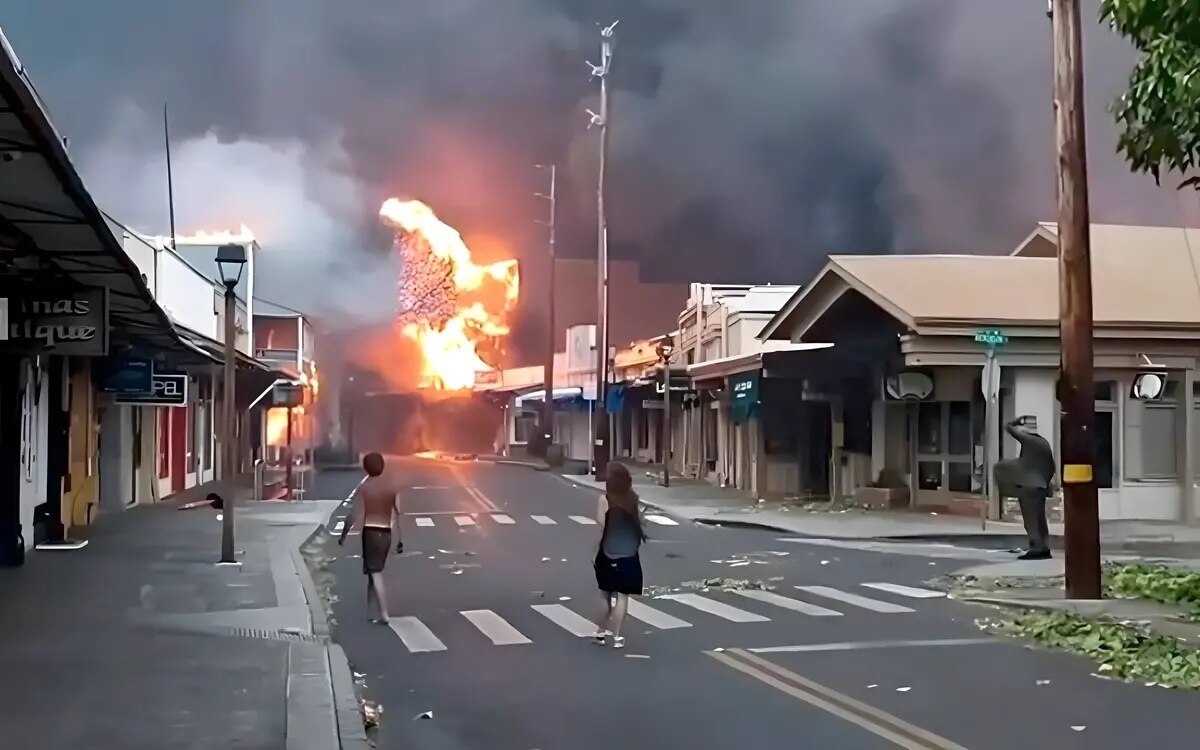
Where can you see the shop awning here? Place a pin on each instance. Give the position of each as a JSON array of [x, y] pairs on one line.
[[558, 394], [739, 363], [50, 228]]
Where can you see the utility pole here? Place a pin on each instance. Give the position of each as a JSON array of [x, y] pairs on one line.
[[665, 350], [1076, 383], [228, 410], [551, 335], [600, 443]]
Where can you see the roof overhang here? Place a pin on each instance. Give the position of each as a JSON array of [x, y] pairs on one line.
[[807, 305], [50, 228], [726, 366]]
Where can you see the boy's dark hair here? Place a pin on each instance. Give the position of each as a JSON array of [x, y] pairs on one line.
[[373, 464]]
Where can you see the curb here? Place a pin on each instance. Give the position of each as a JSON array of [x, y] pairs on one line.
[[316, 611], [351, 733]]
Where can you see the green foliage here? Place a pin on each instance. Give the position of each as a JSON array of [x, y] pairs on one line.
[[1157, 582], [1123, 652], [1160, 112]]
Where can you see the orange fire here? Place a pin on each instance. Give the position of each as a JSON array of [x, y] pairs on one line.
[[448, 317], [219, 237], [277, 419]]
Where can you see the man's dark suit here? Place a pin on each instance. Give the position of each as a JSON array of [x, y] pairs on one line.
[[1028, 478]]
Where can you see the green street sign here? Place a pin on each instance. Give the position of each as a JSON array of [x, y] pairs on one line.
[[991, 338]]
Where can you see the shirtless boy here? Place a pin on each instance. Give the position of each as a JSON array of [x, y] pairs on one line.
[[375, 506]]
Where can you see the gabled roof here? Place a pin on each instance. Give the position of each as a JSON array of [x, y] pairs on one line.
[[1142, 277]]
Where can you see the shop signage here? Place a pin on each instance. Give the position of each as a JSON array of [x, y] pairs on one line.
[[71, 322], [287, 395], [743, 395], [166, 389], [652, 404], [991, 338], [128, 375]]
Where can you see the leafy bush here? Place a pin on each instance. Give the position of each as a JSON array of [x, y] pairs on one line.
[[1157, 582]]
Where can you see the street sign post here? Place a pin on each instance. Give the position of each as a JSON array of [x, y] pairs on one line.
[[990, 383]]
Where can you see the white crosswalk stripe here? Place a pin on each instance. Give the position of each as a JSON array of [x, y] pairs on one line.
[[661, 520], [910, 591], [495, 627], [464, 520], [424, 521], [786, 602], [502, 518], [573, 623], [858, 601], [544, 520], [714, 607], [416, 637], [583, 520], [654, 618]]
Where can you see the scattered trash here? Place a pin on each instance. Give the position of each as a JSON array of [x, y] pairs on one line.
[[903, 689], [564, 598], [824, 562], [718, 650], [739, 564], [457, 572], [545, 559], [1079, 727], [359, 675], [563, 560], [426, 715], [872, 687], [933, 513], [433, 557], [371, 713], [636, 656], [1043, 682]]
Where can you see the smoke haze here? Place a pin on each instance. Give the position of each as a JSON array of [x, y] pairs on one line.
[[747, 139]]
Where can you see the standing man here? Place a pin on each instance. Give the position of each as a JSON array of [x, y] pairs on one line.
[[1029, 478], [375, 506]]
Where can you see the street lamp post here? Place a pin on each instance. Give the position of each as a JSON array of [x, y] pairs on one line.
[[551, 336], [231, 260], [600, 447], [664, 353]]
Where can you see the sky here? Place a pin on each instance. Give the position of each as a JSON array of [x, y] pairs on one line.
[[747, 140]]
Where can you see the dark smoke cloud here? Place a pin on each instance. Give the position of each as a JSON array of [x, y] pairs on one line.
[[748, 139]]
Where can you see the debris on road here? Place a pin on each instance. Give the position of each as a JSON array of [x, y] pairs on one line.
[[425, 715], [372, 712], [1079, 727], [903, 689], [636, 656]]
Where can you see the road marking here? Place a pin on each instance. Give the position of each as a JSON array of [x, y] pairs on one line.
[[495, 627], [544, 520], [885, 725], [573, 623], [859, 601], [661, 520], [424, 521], [502, 518], [654, 618], [416, 637], [857, 645], [910, 591], [787, 603], [338, 526], [464, 520], [583, 520], [713, 607]]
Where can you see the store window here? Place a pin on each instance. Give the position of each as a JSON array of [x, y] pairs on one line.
[[1104, 471], [1158, 435], [945, 431], [524, 426]]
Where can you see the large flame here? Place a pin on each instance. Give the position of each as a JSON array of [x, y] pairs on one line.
[[449, 305], [277, 420], [219, 237]]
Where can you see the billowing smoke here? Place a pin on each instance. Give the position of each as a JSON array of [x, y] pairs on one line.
[[748, 139]]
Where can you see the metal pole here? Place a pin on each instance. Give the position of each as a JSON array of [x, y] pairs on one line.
[[601, 446], [1076, 383], [287, 472], [551, 334], [667, 420], [229, 463]]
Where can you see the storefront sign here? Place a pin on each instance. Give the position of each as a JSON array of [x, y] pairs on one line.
[[743, 395], [62, 322], [165, 390], [128, 375], [287, 395]]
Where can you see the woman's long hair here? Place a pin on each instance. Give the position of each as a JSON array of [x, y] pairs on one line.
[[618, 489]]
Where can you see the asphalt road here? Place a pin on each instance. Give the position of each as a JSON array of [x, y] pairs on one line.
[[850, 649]]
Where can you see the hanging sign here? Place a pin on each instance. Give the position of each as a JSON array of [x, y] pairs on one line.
[[67, 322], [165, 390]]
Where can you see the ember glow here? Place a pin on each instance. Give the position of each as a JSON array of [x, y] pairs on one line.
[[455, 310], [277, 419]]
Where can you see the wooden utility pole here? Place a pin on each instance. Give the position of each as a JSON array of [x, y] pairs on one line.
[[552, 332], [1076, 384]]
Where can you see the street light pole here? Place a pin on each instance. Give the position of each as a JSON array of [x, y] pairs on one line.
[[551, 335], [230, 261], [1076, 383], [601, 71], [664, 352]]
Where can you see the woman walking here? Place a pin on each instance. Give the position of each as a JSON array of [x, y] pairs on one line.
[[618, 567]]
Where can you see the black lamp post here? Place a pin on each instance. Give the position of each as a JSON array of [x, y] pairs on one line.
[[664, 349], [231, 260]]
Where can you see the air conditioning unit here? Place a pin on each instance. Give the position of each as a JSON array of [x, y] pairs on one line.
[[909, 385]]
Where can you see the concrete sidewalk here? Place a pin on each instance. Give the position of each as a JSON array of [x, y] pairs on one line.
[[704, 503], [139, 640]]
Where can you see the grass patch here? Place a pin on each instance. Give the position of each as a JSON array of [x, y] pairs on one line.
[[1125, 652]]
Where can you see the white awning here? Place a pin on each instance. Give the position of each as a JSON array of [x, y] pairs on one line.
[[559, 394]]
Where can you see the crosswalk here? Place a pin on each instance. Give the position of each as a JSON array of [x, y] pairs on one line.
[[671, 612], [460, 519]]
